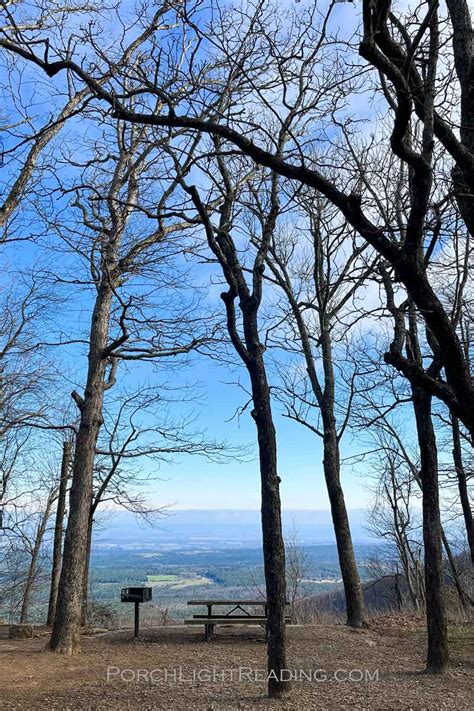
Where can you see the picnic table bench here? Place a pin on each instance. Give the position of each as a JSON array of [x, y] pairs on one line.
[[239, 614]]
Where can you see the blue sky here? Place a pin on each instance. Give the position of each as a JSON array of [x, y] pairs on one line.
[[194, 482], [199, 484]]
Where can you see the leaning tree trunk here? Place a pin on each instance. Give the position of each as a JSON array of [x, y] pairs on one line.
[[273, 543], [409, 565], [354, 596], [30, 579], [325, 396], [58, 531], [438, 656], [25, 603], [67, 623], [454, 572], [462, 485], [32, 569]]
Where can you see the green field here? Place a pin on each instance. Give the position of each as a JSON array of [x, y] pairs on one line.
[[178, 581]]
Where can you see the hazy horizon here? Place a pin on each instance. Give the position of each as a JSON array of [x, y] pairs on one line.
[[223, 526]]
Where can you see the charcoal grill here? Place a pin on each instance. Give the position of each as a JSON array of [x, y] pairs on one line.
[[137, 596]]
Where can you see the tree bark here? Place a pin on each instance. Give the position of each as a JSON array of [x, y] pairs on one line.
[[273, 544], [462, 485], [25, 603], [406, 557], [30, 579], [438, 655], [66, 628], [463, 50], [355, 606], [85, 584], [58, 531]]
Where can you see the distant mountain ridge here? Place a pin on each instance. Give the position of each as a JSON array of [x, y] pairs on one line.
[[223, 526]]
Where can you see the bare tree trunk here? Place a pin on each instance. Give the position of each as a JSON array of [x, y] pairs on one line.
[[25, 603], [438, 655], [463, 50], [273, 544], [406, 556], [402, 541], [398, 594], [454, 572], [85, 585], [32, 569], [58, 531], [66, 629], [462, 485], [413, 588], [355, 606], [325, 396], [251, 350], [420, 582]]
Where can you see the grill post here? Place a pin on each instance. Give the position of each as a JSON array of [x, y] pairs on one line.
[[137, 596]]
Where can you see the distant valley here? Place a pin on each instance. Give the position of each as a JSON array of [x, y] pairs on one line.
[[196, 554]]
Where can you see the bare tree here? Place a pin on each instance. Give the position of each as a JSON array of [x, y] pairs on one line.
[[392, 518], [25, 370], [425, 473], [297, 565], [27, 515], [117, 245], [246, 339], [414, 78], [320, 285], [407, 64], [34, 549], [405, 53], [23, 139]]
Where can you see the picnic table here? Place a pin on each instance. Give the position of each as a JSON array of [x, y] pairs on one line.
[[239, 613]]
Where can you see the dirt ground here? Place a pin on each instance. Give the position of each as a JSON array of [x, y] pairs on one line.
[[173, 668]]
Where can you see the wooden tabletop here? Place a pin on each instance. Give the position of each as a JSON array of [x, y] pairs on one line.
[[227, 602]]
